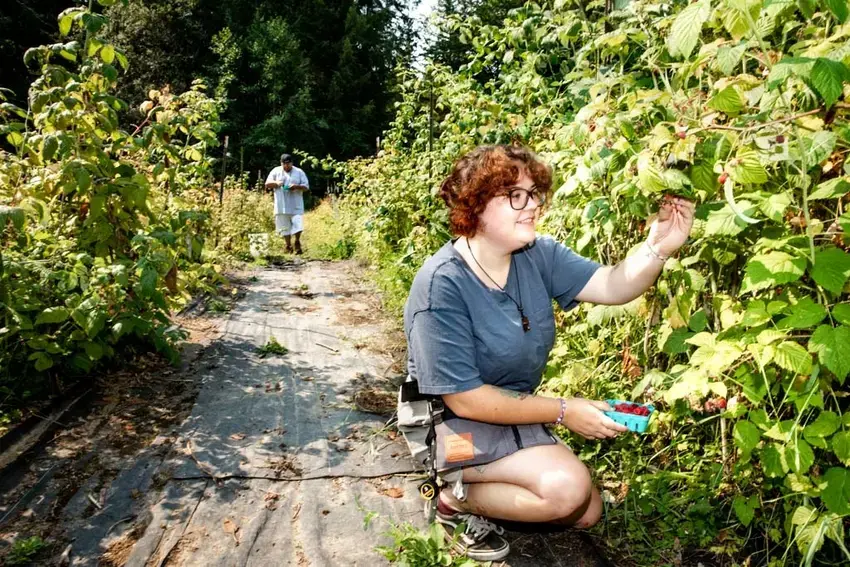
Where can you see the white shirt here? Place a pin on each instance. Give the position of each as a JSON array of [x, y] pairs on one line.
[[288, 202]]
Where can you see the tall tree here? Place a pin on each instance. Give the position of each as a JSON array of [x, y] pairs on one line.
[[316, 75], [447, 47], [25, 24]]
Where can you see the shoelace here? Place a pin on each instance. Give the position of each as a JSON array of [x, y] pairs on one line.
[[478, 527]]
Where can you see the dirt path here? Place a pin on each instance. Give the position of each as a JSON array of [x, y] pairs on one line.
[[274, 463]]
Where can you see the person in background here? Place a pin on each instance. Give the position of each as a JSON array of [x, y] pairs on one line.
[[289, 184]]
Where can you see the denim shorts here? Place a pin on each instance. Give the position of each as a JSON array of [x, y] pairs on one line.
[[463, 442]]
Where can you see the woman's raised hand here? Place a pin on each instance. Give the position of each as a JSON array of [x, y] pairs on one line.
[[672, 226], [585, 417]]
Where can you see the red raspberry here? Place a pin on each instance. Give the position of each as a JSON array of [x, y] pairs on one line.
[[780, 139], [723, 177], [681, 135]]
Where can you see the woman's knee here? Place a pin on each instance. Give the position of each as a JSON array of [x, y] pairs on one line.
[[567, 490], [593, 513]]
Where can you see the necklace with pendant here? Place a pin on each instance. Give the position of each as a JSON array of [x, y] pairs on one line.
[[526, 325]]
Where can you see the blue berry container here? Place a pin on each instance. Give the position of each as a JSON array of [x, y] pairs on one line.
[[636, 423]]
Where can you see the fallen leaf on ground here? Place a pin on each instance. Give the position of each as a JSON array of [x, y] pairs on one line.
[[392, 492], [238, 436], [230, 527]]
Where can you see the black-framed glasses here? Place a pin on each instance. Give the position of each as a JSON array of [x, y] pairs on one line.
[[518, 197]]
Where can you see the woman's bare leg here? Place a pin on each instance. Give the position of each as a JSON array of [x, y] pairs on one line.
[[540, 484]]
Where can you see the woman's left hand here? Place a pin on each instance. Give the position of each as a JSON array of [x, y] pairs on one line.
[[672, 226]]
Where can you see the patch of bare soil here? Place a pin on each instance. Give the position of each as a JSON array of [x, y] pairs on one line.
[[131, 409], [285, 467], [118, 551], [375, 400], [355, 316], [185, 546], [302, 291]]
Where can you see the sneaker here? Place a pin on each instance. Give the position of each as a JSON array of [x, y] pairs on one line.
[[480, 540]]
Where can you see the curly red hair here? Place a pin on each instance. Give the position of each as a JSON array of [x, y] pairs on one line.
[[482, 174]]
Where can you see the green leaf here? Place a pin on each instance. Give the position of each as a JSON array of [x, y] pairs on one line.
[[52, 315], [746, 435], [789, 67], [148, 280], [841, 446], [83, 179], [94, 350], [92, 46], [799, 456], [819, 146], [729, 101], [838, 8], [725, 222], [95, 323], [773, 461], [835, 491], [728, 58], [14, 138], [803, 515], [792, 357], [735, 19], [675, 341], [828, 78], [831, 269], [698, 321], [107, 54], [841, 313], [807, 8], [686, 28], [825, 425], [832, 189], [703, 177], [715, 356], [835, 531], [755, 315], [743, 510], [51, 144], [65, 23], [749, 168], [832, 345], [122, 60], [649, 178], [809, 539], [774, 207], [11, 215], [806, 313], [772, 269], [43, 361]]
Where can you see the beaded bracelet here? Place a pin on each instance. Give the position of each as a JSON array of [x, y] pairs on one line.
[[563, 411], [656, 254]]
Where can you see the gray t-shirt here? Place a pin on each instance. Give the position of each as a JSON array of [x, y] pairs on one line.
[[462, 334]]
